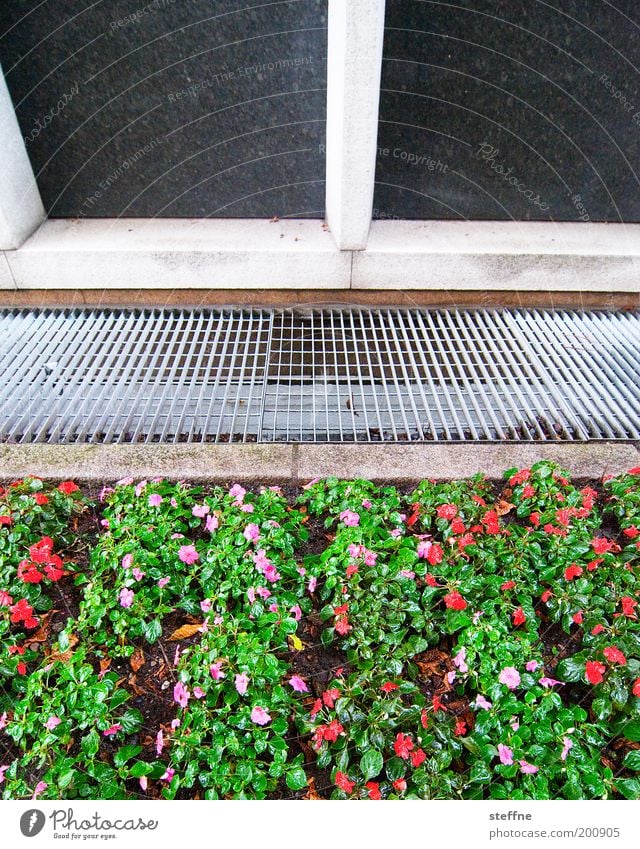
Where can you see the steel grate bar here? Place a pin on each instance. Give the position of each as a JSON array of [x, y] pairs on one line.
[[318, 375]]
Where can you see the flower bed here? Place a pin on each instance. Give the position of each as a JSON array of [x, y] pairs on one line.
[[462, 640]]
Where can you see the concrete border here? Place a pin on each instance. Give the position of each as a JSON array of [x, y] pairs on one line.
[[21, 209], [298, 463]]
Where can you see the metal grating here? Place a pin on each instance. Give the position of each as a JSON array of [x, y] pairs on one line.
[[318, 375]]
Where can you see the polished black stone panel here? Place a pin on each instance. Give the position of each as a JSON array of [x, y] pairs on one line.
[[171, 108], [510, 110]]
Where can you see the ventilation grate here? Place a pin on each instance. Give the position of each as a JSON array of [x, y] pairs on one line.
[[318, 375]]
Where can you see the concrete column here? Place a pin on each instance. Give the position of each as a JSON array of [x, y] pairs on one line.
[[21, 210], [356, 29]]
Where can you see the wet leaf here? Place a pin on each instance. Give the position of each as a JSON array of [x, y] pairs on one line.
[[184, 632], [137, 660]]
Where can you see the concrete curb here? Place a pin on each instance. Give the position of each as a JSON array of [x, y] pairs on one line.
[[297, 463]]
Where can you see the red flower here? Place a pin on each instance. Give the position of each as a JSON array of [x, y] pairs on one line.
[[508, 585], [577, 617], [614, 655], [546, 595], [534, 518], [636, 688], [351, 570], [342, 781], [597, 629], [53, 571], [465, 540], [400, 785], [430, 580], [573, 571], [329, 697], [520, 477], [41, 499], [41, 551], [455, 601], [403, 745], [553, 531], [528, 491], [424, 718], [389, 687], [22, 668], [634, 471], [333, 730], [457, 526], [342, 625], [418, 757], [374, 790], [593, 564], [631, 532], [479, 500], [67, 487], [437, 704], [315, 710], [5, 520], [16, 650], [22, 611], [491, 522], [461, 728], [28, 573], [594, 671], [447, 511], [340, 610], [5, 599], [628, 606], [519, 617], [601, 545]]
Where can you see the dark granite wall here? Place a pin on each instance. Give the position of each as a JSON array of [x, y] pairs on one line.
[[521, 109], [185, 108]]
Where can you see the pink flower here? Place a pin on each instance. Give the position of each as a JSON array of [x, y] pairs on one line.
[[263, 592], [568, 744], [247, 508], [515, 724], [366, 504], [395, 533], [215, 670], [532, 665], [206, 605], [173, 502], [112, 729], [238, 492], [273, 608], [242, 682], [298, 684], [211, 524], [3, 721], [52, 723], [200, 510], [251, 595], [143, 783], [188, 554], [527, 769], [140, 487], [155, 500], [181, 695], [41, 786], [510, 676], [311, 483], [549, 682], [350, 519], [481, 702], [159, 742], [126, 597], [138, 574], [199, 693], [168, 775], [175, 723], [451, 676], [505, 754], [104, 523], [260, 716], [251, 533], [459, 661], [407, 573], [296, 612], [3, 769], [127, 561], [313, 583], [163, 582], [218, 620], [124, 482]]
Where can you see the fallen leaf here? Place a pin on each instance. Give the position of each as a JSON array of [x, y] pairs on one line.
[[105, 663], [184, 632], [62, 656], [312, 793], [504, 507], [137, 660], [295, 642]]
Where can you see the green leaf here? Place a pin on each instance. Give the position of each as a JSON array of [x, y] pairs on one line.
[[296, 778], [570, 669], [628, 787], [125, 754], [632, 760], [371, 764], [480, 773], [152, 630]]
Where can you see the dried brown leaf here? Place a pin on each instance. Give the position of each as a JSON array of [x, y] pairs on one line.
[[184, 632], [137, 660]]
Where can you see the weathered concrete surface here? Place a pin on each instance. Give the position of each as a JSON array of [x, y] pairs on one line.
[[264, 463], [416, 462]]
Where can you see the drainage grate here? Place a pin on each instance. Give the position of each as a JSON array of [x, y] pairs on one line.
[[317, 375]]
